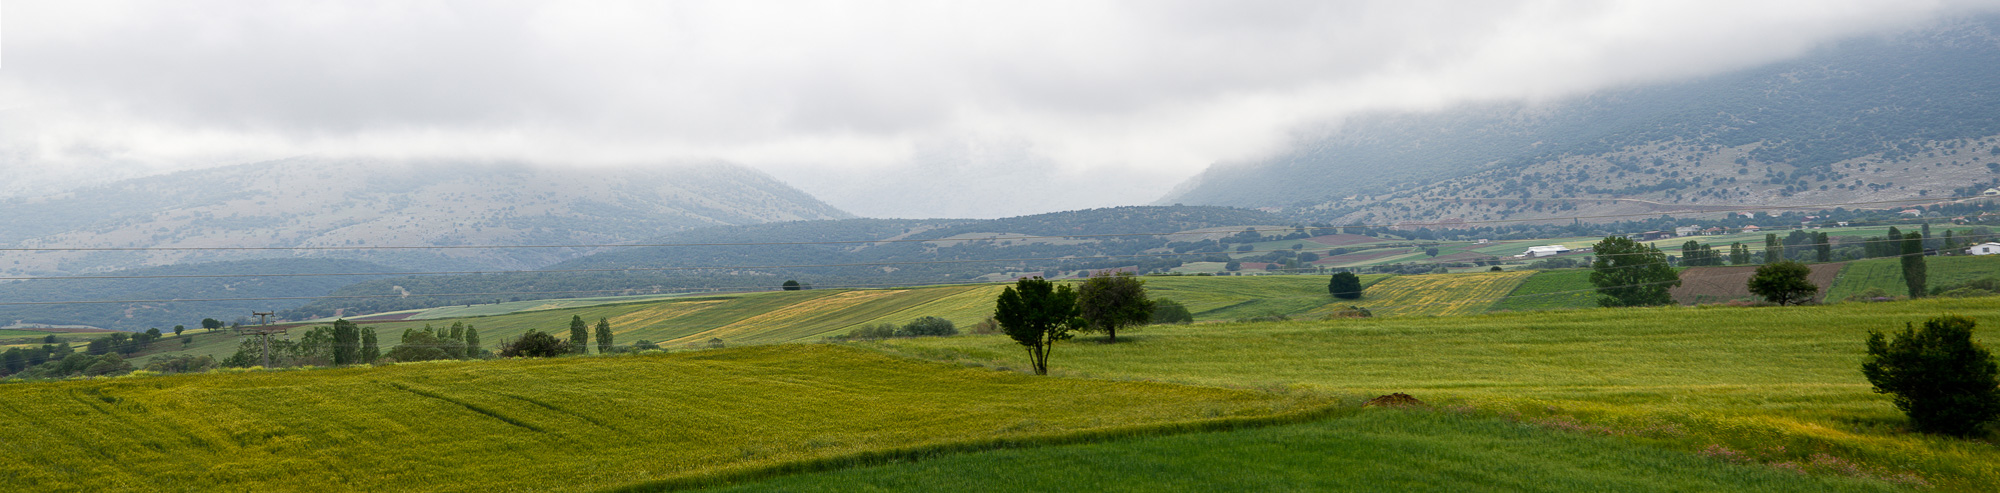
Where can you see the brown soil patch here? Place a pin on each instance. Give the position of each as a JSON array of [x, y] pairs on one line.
[[1398, 399], [1342, 240], [1723, 284]]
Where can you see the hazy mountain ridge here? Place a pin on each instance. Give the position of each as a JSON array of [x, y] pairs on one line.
[[947, 250], [339, 203], [1920, 100]]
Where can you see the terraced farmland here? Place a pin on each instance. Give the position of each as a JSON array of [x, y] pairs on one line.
[[1440, 294], [565, 424]]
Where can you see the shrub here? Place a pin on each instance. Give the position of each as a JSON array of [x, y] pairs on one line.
[[185, 363], [1352, 311], [1344, 285], [645, 345], [928, 327], [1171, 312], [1870, 294], [1940, 378], [876, 331], [534, 344], [986, 327]]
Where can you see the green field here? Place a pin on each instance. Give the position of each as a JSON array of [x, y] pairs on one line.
[[1746, 378], [1552, 290], [1372, 450], [1439, 294], [561, 424], [1887, 274]]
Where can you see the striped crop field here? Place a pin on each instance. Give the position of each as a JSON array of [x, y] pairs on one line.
[[1886, 274], [1233, 297], [565, 424], [1440, 294]]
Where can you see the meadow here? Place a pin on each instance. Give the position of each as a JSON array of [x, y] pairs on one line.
[[1780, 384], [1360, 450], [566, 424], [1552, 290], [1886, 274]]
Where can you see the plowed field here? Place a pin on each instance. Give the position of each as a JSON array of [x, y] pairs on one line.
[[1720, 284]]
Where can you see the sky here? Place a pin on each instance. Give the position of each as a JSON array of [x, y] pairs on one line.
[[882, 108]]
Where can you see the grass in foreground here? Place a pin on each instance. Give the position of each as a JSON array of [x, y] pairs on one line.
[[561, 424], [1745, 378], [1366, 450]]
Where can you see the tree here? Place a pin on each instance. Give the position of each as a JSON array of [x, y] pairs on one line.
[[346, 343], [1939, 377], [371, 349], [1108, 301], [211, 324], [792, 285], [179, 328], [1784, 283], [1915, 273], [1167, 311], [534, 344], [1629, 273], [579, 335], [1773, 249], [1433, 252], [1738, 254], [1036, 314], [1822, 248], [472, 349], [1344, 285], [604, 345]]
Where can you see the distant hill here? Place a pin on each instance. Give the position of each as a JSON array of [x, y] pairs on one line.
[[336, 203], [943, 250], [163, 315], [1914, 115]]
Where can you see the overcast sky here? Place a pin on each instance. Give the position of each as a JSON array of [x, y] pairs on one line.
[[912, 109]]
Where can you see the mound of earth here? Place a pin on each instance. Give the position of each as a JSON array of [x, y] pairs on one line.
[[1398, 399]]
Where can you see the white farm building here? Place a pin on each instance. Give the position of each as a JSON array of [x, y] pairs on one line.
[[1544, 251], [1988, 248]]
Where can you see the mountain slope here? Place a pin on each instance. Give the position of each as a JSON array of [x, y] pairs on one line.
[[170, 283], [315, 202], [1898, 117]]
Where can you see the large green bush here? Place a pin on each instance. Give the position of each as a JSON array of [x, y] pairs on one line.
[[1940, 378]]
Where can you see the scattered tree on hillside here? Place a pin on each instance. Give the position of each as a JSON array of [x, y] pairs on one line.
[[1629, 273], [1108, 301], [1915, 272], [1166, 311], [1940, 378], [1344, 285], [604, 344], [211, 324], [534, 344], [579, 335], [792, 285], [1432, 252], [1036, 314], [179, 328], [1784, 283]]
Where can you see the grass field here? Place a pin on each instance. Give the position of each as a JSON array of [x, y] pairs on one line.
[[1552, 290], [1745, 378], [1887, 274], [1371, 450], [1439, 294], [564, 424]]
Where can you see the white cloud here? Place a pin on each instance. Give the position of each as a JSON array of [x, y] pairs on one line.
[[1101, 103]]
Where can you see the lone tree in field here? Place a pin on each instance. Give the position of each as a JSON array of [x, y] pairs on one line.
[[1629, 273], [1037, 313], [579, 335], [1940, 378], [1344, 285], [604, 345], [1784, 283], [1915, 272], [1108, 301], [792, 285]]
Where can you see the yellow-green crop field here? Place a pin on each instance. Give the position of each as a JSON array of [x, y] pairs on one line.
[[566, 424], [1440, 294], [1778, 384]]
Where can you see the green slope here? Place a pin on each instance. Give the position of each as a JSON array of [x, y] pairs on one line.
[[1887, 274], [1552, 290]]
